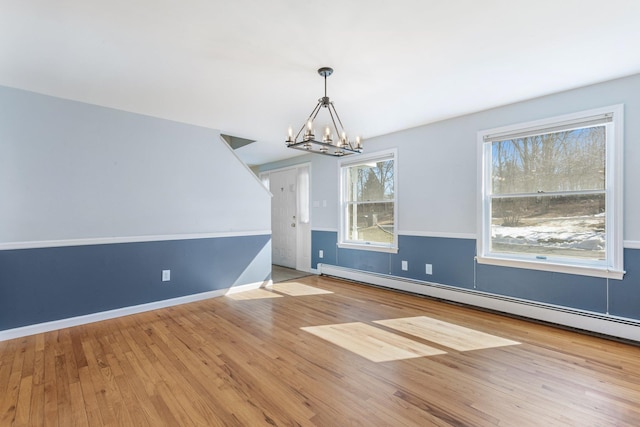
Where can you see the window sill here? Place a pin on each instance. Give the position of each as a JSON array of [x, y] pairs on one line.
[[368, 247], [553, 267]]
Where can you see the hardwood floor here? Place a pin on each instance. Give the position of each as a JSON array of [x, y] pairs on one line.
[[281, 274], [228, 362]]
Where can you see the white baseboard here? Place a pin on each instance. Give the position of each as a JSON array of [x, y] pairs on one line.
[[585, 320], [243, 288], [119, 312]]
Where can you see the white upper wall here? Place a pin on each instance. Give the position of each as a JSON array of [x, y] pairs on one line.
[[70, 170], [437, 162]]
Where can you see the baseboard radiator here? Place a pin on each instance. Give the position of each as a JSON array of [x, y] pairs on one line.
[[619, 327]]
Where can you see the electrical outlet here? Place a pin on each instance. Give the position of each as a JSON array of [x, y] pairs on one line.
[[428, 268], [405, 266], [166, 275], [321, 253]]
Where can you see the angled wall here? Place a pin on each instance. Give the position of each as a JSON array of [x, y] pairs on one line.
[[97, 202]]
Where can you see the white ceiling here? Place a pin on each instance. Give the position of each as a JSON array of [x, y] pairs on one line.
[[248, 67]]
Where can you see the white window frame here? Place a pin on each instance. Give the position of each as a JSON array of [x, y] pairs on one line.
[[613, 268], [342, 232]]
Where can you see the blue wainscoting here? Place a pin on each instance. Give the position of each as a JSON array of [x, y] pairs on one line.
[[451, 260], [445, 255], [624, 295], [376, 262], [453, 264], [47, 284], [326, 241], [581, 292]]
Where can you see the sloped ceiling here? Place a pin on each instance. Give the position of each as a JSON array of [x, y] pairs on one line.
[[248, 67]]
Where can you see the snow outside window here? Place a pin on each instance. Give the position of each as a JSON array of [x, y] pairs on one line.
[[550, 195]]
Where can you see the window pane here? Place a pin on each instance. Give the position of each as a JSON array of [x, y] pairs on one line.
[[565, 226], [370, 182], [370, 222], [560, 161]]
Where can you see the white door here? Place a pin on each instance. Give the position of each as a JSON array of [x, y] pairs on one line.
[[283, 217]]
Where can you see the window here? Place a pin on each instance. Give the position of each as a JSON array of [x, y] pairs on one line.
[[550, 195], [368, 203]]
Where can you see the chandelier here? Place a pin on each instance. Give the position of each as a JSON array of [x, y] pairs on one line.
[[334, 141]]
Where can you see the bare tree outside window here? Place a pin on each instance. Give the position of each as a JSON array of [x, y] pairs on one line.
[[370, 202], [548, 194]]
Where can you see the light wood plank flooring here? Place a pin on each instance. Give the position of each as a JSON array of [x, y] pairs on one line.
[[249, 362], [281, 274]]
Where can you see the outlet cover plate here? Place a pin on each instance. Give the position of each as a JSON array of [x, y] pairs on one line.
[[166, 275]]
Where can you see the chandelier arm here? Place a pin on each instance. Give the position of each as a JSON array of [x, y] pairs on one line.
[[337, 116], [312, 116], [347, 142], [334, 121], [317, 110]]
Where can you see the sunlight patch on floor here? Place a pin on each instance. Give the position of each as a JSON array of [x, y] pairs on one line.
[[446, 334], [254, 294], [372, 343], [296, 289]]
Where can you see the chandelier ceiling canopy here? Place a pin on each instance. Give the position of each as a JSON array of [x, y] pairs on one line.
[[334, 140]]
